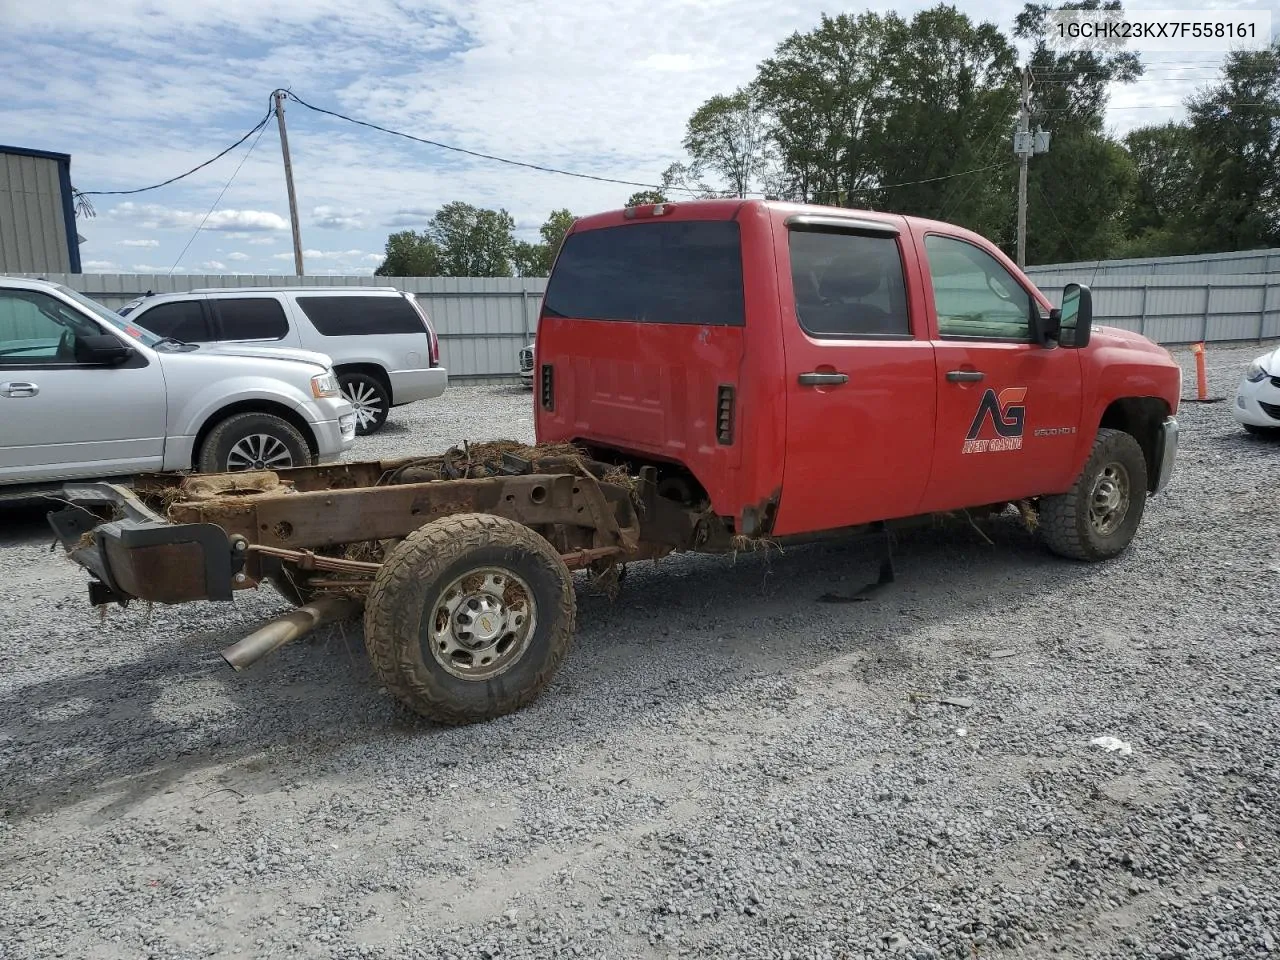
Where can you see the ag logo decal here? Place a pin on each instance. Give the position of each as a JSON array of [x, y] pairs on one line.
[[1006, 414]]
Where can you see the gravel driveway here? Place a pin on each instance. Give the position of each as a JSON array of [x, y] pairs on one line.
[[723, 768]]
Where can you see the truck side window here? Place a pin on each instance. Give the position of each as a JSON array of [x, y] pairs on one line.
[[974, 295], [848, 285]]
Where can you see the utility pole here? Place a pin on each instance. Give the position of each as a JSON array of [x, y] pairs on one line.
[[288, 180], [1022, 146]]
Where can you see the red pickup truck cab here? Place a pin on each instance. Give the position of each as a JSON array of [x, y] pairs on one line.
[[803, 369]]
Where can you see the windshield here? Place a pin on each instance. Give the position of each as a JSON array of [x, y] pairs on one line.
[[110, 316]]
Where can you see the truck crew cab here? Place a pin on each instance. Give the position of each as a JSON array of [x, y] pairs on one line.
[[807, 369], [706, 375]]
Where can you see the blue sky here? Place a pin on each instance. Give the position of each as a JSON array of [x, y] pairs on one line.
[[140, 90]]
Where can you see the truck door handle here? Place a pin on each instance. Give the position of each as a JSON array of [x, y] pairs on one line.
[[964, 376], [818, 379], [18, 389]]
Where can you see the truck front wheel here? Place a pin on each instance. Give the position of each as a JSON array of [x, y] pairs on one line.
[[469, 618], [1097, 518]]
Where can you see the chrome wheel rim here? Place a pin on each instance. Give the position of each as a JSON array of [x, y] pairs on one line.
[[364, 399], [1109, 501], [259, 451], [482, 624]]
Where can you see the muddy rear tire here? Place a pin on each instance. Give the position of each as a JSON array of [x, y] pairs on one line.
[[469, 618], [1097, 518]]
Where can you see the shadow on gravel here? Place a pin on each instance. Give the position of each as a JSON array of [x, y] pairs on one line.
[[25, 521]]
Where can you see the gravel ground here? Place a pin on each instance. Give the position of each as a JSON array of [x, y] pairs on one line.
[[723, 767]]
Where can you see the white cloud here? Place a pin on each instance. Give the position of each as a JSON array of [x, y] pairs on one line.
[[153, 216], [409, 217], [188, 79], [148, 268], [214, 266], [336, 218], [100, 266], [375, 257], [139, 243], [237, 256], [331, 254]]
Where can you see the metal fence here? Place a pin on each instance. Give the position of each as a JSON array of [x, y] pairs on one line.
[[482, 322], [1203, 264], [1181, 309]]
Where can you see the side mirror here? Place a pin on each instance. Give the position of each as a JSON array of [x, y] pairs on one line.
[[102, 349], [1075, 317]]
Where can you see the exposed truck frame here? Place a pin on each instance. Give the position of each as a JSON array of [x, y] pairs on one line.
[[383, 537], [336, 539]]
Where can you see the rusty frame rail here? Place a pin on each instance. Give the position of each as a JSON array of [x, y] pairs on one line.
[[208, 545]]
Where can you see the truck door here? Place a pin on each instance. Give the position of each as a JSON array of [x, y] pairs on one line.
[[860, 388], [1008, 408]]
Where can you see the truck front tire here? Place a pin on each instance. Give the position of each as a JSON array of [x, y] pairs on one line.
[[1097, 518], [253, 441], [469, 618]]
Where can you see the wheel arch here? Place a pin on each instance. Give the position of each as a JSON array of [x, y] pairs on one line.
[[375, 370], [1141, 418], [290, 416]]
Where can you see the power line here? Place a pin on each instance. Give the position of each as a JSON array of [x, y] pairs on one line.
[[909, 183], [952, 196], [156, 186], [483, 156], [248, 153]]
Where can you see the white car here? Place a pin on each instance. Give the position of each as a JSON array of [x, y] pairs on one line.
[[383, 345], [1257, 405], [526, 365], [86, 394]]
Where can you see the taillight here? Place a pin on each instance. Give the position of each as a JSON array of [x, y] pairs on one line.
[[724, 414], [548, 388], [433, 343]]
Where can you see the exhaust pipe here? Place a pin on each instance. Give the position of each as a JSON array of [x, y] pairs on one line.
[[290, 626]]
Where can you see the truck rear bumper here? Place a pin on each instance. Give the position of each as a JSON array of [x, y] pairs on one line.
[[1166, 453], [137, 554]]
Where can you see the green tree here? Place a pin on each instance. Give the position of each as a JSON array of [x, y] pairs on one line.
[[529, 259], [1068, 222], [1079, 191], [826, 92], [1164, 166], [553, 232], [642, 197], [950, 109], [410, 254], [1235, 136], [473, 242], [536, 259], [729, 135]]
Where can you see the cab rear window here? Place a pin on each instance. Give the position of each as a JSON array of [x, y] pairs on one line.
[[687, 272]]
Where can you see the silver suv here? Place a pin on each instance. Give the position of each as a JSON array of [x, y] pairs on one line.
[[85, 393], [383, 345]]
